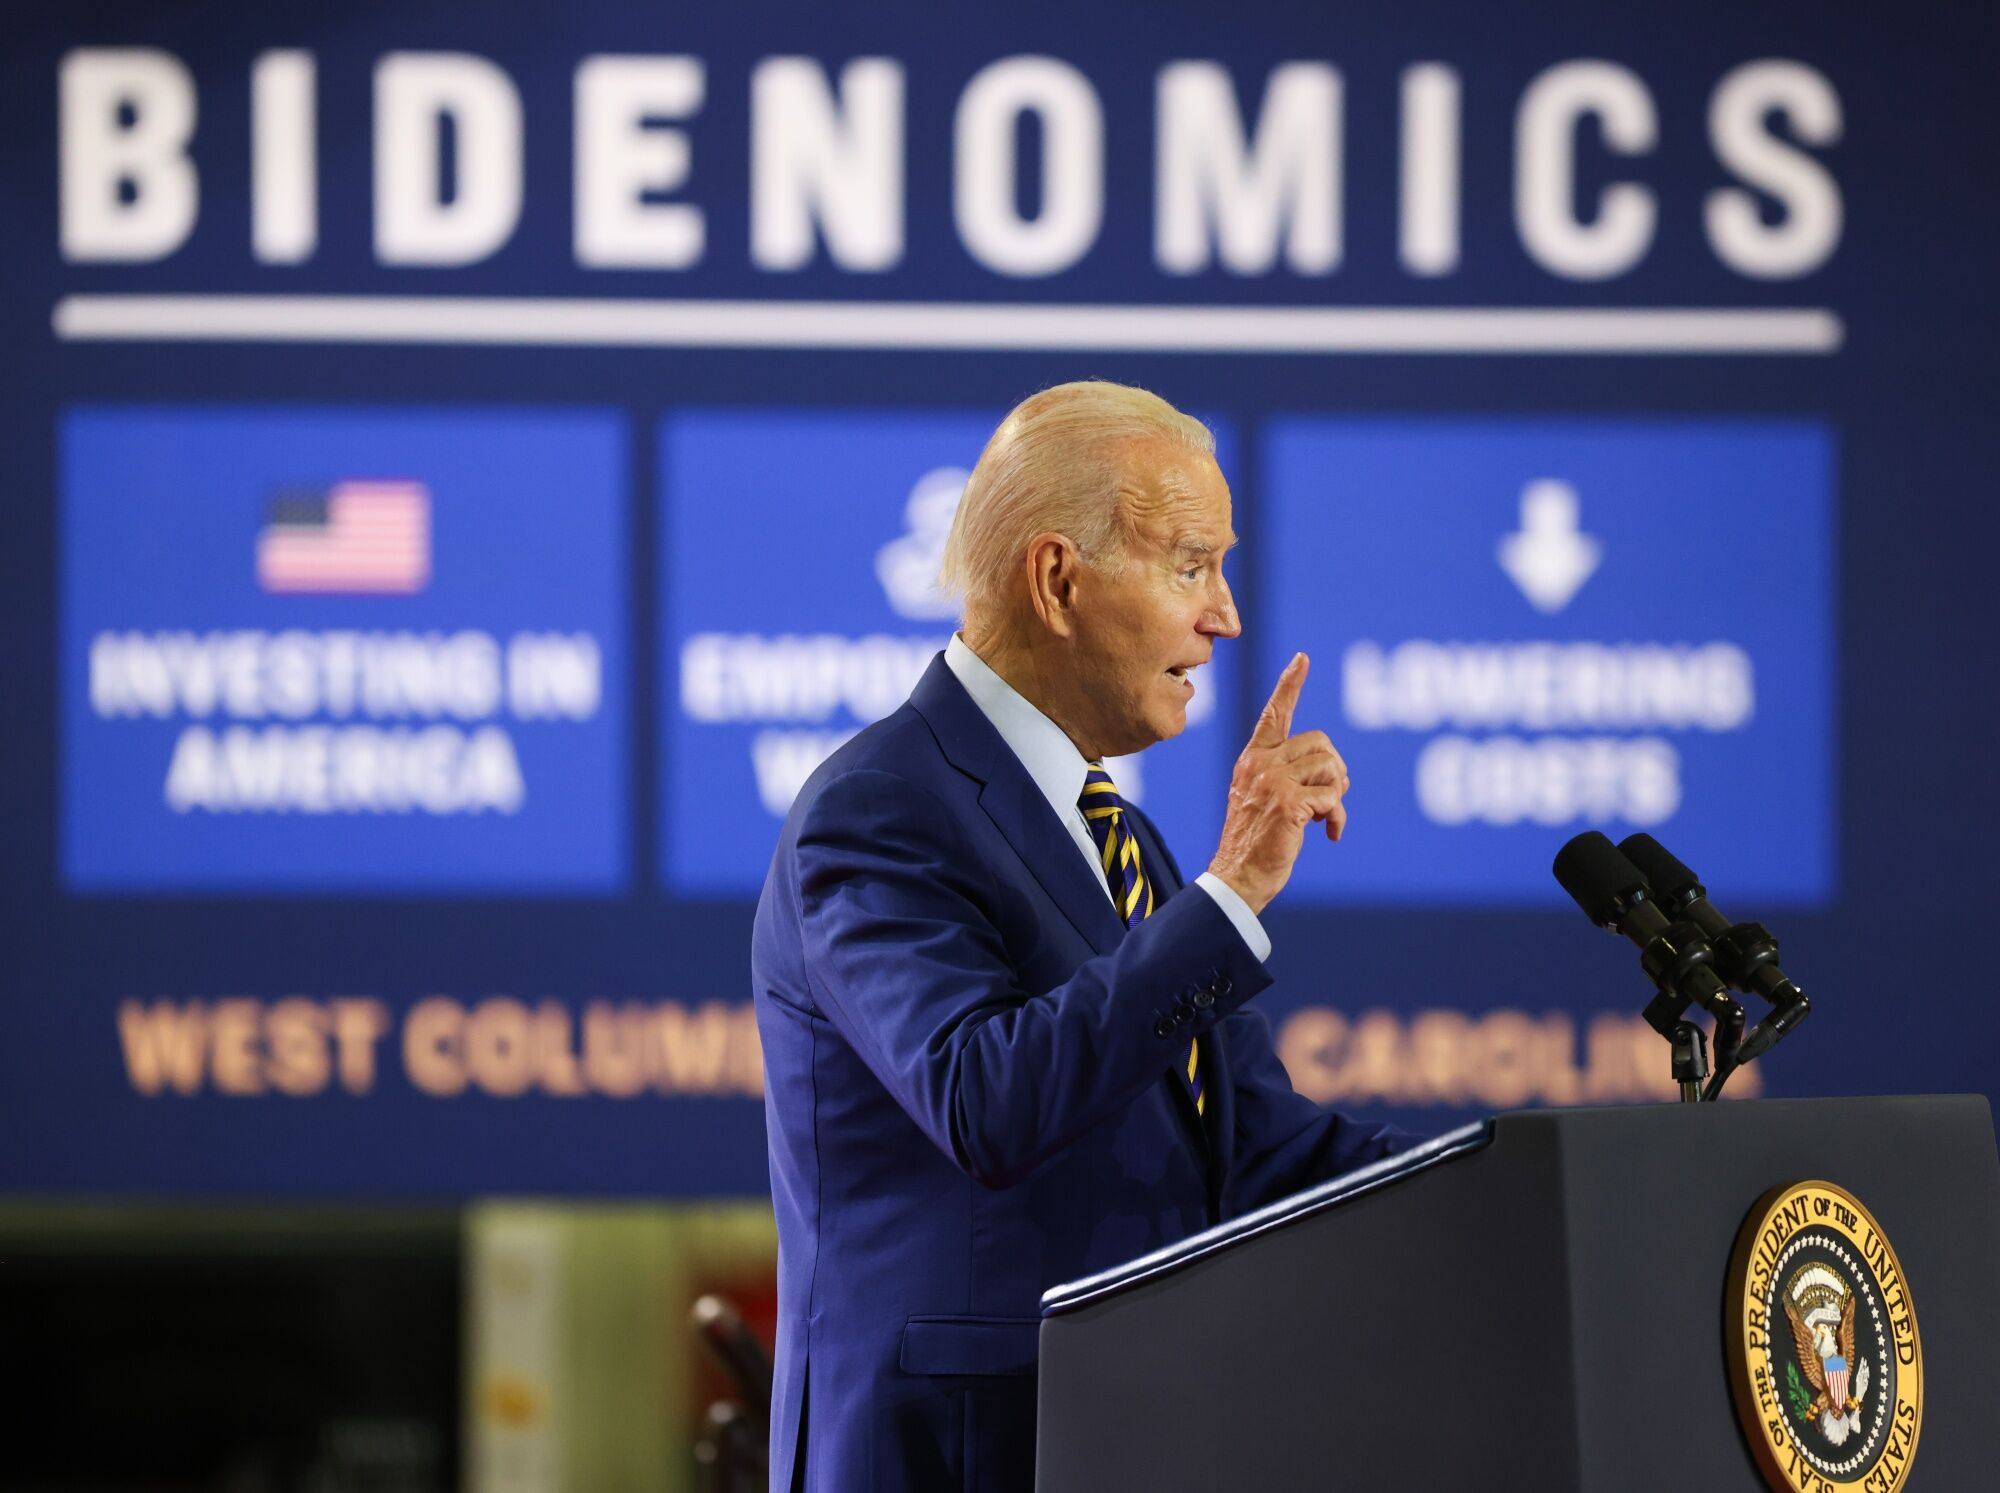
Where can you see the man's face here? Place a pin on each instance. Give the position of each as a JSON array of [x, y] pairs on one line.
[[1142, 627]]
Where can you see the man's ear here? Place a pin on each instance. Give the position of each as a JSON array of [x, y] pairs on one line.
[[1054, 567]]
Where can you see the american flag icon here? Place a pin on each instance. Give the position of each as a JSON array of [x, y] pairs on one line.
[[368, 537]]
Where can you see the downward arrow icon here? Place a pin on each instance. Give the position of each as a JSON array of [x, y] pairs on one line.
[[1550, 557]]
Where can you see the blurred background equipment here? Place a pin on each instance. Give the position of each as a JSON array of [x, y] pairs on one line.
[[736, 1442], [581, 1370]]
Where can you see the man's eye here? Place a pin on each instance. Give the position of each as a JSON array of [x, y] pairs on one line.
[[1194, 573]]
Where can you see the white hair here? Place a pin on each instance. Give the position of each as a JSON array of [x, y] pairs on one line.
[[1054, 466]]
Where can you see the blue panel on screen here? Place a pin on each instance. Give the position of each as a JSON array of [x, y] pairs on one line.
[[1526, 629], [359, 650], [798, 551]]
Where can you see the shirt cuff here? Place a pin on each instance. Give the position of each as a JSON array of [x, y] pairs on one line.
[[1238, 912]]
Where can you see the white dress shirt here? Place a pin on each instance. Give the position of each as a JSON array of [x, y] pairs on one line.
[[1058, 769]]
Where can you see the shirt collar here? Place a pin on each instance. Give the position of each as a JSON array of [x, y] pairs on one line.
[[1049, 755]]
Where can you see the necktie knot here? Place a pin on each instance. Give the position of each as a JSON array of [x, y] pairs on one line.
[[1099, 800]]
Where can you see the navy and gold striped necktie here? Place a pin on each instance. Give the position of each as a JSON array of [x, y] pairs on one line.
[[1118, 854]]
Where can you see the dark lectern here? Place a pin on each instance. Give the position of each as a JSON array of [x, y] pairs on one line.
[[1533, 1303]]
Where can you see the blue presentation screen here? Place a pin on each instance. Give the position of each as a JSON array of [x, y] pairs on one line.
[[1552, 625], [798, 557], [466, 473], [310, 649]]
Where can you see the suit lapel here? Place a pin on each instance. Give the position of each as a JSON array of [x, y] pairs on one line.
[[1018, 810], [1016, 806]]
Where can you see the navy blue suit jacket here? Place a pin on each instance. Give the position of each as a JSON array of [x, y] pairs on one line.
[[972, 1093]]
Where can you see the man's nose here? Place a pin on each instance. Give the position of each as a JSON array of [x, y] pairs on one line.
[[1220, 619]]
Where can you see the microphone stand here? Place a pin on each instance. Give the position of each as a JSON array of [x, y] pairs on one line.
[[1729, 1025], [1666, 1013], [1770, 1031], [1690, 1060], [1728, 1037]]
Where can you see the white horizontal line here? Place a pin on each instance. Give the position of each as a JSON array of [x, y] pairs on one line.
[[949, 326]]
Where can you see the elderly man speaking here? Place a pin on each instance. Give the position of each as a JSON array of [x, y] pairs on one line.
[[1005, 1044]]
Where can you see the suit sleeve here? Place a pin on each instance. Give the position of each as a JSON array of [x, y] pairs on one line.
[[907, 962], [1284, 1141]]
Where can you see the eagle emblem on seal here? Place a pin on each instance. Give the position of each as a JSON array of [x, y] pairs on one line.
[[1820, 1308]]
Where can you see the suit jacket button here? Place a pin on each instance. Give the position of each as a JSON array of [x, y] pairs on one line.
[[1184, 1013], [1222, 986], [1164, 1027], [1203, 999]]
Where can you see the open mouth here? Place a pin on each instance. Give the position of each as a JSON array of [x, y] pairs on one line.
[[1182, 671]]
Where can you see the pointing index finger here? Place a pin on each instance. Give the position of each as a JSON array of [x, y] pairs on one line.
[[1274, 726]]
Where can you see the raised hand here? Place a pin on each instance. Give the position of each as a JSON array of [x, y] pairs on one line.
[[1280, 784]]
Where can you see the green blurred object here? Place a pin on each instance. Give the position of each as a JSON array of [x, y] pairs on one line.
[[581, 1371]]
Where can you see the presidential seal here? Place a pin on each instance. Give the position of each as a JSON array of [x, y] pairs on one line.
[[1824, 1358]]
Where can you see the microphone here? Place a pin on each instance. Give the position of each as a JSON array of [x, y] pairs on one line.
[[1675, 956], [1746, 955]]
